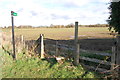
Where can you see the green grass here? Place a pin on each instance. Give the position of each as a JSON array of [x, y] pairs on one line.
[[36, 68]]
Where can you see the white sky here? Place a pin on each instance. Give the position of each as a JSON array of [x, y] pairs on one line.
[[56, 12]]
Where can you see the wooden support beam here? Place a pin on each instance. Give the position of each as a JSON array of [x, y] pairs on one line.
[[76, 53], [42, 47]]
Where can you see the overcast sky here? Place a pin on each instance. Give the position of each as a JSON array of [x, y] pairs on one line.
[[56, 12]]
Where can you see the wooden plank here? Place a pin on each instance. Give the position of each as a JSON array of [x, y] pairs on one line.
[[90, 59], [86, 51], [95, 60], [93, 68], [62, 47], [96, 52], [53, 52], [82, 50]]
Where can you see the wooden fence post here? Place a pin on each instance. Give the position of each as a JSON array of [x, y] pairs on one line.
[[26, 46], [56, 50], [113, 61], [42, 47], [118, 55], [76, 54], [1, 65], [0, 39], [22, 39]]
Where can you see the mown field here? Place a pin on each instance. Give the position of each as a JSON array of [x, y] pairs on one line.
[[62, 33]]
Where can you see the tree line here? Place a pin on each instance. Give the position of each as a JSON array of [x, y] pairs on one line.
[[59, 26]]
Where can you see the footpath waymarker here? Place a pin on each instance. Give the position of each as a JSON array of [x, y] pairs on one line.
[[13, 39], [13, 13]]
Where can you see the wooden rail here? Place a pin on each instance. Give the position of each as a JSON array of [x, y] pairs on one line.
[[66, 47], [96, 52], [94, 68], [95, 60]]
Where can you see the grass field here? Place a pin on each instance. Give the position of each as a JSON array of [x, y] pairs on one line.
[[61, 33]]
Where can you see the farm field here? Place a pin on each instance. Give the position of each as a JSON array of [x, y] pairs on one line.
[[91, 38], [61, 33]]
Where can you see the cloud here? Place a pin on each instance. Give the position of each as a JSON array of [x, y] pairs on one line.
[[20, 10], [34, 13], [46, 12], [72, 3], [55, 16]]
